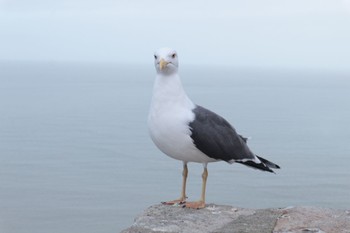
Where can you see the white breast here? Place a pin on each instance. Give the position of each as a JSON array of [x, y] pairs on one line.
[[169, 116]]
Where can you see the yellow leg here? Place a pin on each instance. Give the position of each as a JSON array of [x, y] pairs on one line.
[[204, 183], [201, 203], [183, 197], [184, 179]]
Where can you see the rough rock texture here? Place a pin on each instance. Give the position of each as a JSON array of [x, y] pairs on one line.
[[311, 219], [225, 219]]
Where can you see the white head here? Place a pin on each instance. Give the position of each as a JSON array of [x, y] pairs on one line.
[[166, 61]]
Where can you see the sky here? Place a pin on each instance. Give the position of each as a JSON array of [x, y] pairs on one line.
[[293, 34]]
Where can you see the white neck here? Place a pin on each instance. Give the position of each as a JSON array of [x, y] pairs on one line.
[[168, 90]]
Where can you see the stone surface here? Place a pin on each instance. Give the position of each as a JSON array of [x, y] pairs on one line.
[[228, 219], [311, 219]]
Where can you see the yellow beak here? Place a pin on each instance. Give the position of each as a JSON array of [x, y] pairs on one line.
[[162, 64]]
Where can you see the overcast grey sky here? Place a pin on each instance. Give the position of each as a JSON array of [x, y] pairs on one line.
[[297, 34]]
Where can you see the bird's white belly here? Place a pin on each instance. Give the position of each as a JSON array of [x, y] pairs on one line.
[[171, 134]]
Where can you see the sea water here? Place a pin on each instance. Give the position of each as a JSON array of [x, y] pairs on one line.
[[75, 155]]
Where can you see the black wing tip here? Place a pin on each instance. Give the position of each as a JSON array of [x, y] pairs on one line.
[[268, 163], [260, 166], [264, 165]]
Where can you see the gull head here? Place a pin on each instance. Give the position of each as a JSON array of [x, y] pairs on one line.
[[166, 61]]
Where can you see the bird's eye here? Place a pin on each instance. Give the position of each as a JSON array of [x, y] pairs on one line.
[[174, 55], [155, 57]]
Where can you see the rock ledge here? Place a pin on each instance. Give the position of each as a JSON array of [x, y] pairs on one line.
[[228, 219]]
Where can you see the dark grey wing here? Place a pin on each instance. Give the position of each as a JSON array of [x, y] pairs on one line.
[[243, 138], [216, 138]]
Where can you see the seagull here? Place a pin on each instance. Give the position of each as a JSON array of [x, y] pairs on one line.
[[191, 133]]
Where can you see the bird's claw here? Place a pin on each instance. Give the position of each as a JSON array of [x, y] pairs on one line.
[[178, 202], [194, 205]]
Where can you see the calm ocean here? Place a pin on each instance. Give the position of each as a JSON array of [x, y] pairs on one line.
[[75, 155]]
